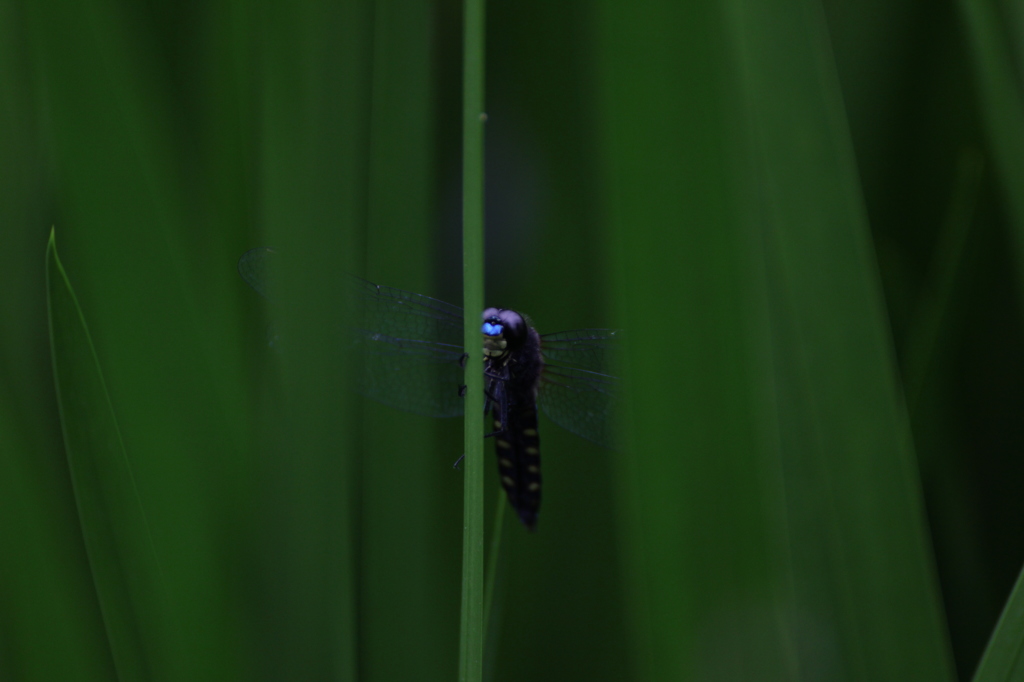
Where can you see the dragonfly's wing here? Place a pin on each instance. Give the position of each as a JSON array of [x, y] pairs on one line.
[[415, 376], [576, 392], [580, 401], [254, 267], [397, 313], [407, 348], [410, 350], [587, 349]]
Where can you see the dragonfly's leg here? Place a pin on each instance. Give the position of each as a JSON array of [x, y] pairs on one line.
[[463, 360], [497, 397], [488, 392], [501, 426], [458, 462], [491, 394], [502, 375]]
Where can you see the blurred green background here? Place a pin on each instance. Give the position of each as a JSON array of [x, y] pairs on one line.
[[808, 217]]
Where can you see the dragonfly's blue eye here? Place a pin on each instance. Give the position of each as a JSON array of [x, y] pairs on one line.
[[491, 329]]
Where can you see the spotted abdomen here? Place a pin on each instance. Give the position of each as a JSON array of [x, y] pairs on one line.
[[518, 449]]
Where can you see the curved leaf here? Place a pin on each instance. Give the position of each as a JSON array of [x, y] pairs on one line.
[[121, 555]]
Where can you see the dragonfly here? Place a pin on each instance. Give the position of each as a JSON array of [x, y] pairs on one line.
[[409, 355]]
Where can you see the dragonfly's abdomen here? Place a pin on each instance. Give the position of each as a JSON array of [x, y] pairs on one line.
[[516, 443], [518, 449]]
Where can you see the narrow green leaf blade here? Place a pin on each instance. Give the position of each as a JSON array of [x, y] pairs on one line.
[[772, 512], [1002, 660], [1002, 105], [121, 555], [857, 545], [315, 89], [472, 641]]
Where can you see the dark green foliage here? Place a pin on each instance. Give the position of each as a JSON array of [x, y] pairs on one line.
[[806, 217]]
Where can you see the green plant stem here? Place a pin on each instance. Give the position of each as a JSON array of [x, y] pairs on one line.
[[492, 567], [495, 578], [472, 636]]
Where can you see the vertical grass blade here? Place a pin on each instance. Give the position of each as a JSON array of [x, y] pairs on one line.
[[154, 236], [1002, 106], [315, 104], [51, 622], [990, 33], [472, 638], [773, 517], [121, 555], [404, 557], [857, 547], [494, 594]]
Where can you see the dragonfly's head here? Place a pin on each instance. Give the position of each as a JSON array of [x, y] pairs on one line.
[[503, 330]]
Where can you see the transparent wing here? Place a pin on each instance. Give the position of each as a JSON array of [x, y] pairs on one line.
[[254, 267], [588, 349], [576, 392], [407, 347], [396, 313], [410, 347]]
